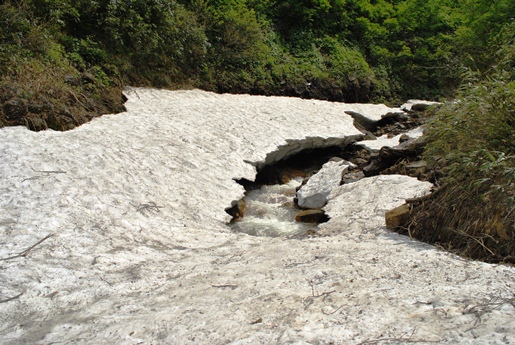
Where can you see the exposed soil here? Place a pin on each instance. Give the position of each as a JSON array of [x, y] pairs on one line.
[[45, 110]]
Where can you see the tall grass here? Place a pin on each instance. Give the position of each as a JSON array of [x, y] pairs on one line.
[[472, 141]]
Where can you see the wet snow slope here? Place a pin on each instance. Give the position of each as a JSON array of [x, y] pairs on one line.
[[139, 252]]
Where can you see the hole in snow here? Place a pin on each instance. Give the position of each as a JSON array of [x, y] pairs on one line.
[[269, 207], [270, 211]]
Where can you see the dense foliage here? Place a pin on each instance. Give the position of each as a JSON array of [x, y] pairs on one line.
[[471, 141], [72, 57]]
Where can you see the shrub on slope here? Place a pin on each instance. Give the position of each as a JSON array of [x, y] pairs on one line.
[[471, 141]]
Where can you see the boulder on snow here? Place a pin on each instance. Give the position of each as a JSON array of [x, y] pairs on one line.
[[397, 217], [312, 216], [314, 193]]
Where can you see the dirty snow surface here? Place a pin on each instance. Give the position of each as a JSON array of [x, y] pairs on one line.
[[115, 233]]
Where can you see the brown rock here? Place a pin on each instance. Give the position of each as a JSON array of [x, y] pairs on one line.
[[312, 216], [397, 217], [237, 210]]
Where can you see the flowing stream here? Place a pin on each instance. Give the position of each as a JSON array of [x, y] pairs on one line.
[[270, 211], [269, 208]]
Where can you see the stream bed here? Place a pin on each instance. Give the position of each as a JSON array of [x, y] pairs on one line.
[[270, 211], [269, 207]]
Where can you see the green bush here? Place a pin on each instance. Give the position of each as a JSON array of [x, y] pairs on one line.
[[471, 142], [344, 50]]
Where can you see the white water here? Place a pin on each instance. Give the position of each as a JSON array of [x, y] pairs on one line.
[[270, 211]]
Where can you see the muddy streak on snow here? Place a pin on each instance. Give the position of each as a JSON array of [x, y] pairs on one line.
[[140, 252]]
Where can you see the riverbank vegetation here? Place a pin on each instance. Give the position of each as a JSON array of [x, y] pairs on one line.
[[69, 59], [471, 141], [63, 62]]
